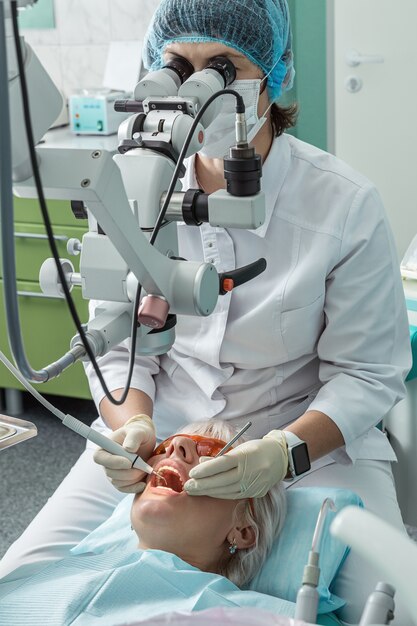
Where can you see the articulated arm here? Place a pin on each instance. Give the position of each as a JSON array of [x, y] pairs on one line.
[[93, 177]]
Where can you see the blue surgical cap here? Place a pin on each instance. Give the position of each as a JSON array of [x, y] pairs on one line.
[[259, 29]]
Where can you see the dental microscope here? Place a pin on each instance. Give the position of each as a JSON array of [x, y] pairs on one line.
[[132, 201]]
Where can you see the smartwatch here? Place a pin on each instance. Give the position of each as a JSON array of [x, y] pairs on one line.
[[298, 457]]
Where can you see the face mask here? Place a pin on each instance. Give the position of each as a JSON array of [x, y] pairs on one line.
[[220, 135]]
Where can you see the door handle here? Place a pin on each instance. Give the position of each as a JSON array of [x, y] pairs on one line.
[[355, 58]]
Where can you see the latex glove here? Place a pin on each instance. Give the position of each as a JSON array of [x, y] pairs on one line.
[[137, 435], [247, 471]]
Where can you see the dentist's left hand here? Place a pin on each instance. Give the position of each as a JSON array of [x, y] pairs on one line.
[[137, 435], [247, 471]]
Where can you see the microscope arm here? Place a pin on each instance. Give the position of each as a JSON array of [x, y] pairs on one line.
[[15, 159], [114, 190], [45, 101], [191, 288]]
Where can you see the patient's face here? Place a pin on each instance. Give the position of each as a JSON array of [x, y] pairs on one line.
[[165, 517]]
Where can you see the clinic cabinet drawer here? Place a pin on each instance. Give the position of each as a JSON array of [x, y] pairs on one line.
[[32, 248], [47, 329], [59, 211]]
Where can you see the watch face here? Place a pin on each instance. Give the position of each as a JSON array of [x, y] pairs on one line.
[[300, 459]]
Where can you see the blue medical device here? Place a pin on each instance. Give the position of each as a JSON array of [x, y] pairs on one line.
[[91, 112]]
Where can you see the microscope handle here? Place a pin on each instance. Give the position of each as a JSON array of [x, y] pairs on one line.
[[234, 278], [128, 106]]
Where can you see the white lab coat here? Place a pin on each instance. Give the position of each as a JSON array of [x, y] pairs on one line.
[[324, 327]]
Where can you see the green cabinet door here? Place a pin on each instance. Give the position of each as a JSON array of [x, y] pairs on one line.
[[47, 329], [59, 211], [32, 248]]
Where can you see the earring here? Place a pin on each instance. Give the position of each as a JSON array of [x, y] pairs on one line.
[[233, 547]]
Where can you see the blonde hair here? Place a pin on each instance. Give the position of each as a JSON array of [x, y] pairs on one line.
[[266, 515]]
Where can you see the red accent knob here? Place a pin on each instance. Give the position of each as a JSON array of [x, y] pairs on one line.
[[228, 284]]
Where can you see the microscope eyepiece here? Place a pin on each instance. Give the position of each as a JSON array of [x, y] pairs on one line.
[[181, 67], [225, 67]]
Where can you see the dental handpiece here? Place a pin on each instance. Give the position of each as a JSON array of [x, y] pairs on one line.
[[107, 444], [232, 441], [79, 427]]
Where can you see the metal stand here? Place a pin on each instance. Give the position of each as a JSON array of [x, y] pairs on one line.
[[13, 401]]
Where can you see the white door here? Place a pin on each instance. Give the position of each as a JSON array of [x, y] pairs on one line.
[[375, 101]]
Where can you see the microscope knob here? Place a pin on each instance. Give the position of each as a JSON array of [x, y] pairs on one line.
[[49, 280], [74, 246], [153, 311]]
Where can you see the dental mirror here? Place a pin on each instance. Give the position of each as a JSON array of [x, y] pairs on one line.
[[232, 441]]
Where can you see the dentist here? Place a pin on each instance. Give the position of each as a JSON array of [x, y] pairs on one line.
[[315, 350]]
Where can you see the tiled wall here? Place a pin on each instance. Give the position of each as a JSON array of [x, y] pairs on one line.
[[74, 53]]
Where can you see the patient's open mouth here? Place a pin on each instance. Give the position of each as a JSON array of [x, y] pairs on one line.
[[169, 478]]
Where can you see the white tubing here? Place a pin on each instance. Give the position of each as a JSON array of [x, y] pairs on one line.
[[59, 414], [78, 426]]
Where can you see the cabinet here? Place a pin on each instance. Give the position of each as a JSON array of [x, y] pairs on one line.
[[47, 325]]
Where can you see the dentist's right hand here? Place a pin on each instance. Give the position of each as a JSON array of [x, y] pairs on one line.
[[137, 435]]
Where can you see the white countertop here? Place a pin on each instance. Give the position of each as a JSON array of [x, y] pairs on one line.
[[63, 138]]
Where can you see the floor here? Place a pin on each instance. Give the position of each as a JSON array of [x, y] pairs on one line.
[[31, 470]]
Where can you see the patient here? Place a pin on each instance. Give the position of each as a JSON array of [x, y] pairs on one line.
[[228, 537], [191, 550]]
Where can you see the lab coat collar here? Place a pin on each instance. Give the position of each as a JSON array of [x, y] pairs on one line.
[[274, 171]]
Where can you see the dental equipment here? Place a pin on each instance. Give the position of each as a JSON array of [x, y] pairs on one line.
[[380, 606], [385, 547], [14, 430], [308, 597], [119, 260], [77, 426], [232, 441]]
